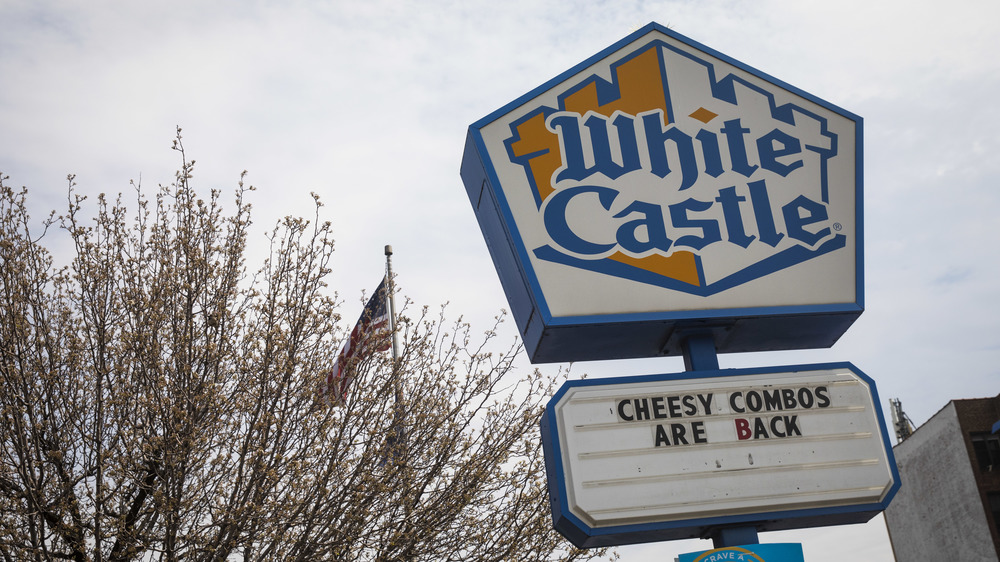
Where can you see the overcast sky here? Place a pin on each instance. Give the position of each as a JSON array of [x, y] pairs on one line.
[[368, 105]]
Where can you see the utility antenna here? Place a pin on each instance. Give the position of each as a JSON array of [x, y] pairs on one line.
[[900, 421]]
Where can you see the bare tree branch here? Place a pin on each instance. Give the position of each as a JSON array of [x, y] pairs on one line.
[[160, 402]]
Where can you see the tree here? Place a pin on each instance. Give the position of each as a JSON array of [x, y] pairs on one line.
[[160, 403]]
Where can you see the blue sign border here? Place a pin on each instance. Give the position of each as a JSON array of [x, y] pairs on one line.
[[584, 536], [593, 337]]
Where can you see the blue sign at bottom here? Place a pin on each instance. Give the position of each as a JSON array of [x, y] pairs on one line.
[[775, 552]]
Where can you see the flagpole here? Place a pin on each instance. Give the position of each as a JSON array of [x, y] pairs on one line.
[[399, 446], [392, 312], [399, 433], [392, 302]]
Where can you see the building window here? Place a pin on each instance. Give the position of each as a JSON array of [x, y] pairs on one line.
[[987, 448], [994, 499]]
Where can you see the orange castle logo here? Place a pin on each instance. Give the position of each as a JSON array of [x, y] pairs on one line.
[[666, 174]]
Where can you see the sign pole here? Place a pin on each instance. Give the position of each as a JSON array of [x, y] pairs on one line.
[[734, 536], [700, 355], [699, 352]]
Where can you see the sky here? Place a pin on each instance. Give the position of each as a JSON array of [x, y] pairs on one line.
[[368, 104]]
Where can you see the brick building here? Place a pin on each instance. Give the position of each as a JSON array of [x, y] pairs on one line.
[[948, 507]]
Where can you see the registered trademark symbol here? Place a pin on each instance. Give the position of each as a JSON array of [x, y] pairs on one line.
[[838, 227]]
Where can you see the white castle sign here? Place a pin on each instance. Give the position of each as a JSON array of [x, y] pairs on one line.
[[661, 183]]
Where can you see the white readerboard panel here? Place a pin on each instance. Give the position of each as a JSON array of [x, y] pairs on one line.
[[660, 449]]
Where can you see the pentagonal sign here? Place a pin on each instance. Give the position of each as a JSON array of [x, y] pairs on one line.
[[661, 186]]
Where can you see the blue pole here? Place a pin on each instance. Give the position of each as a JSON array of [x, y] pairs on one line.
[[699, 352], [700, 355], [734, 536]]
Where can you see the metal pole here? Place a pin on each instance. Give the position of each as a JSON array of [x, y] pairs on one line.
[[734, 536], [398, 416], [391, 287], [699, 352], [399, 435], [700, 355]]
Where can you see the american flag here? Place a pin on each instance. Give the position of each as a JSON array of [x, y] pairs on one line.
[[370, 335]]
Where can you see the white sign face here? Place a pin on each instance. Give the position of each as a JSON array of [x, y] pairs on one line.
[[660, 450], [664, 178]]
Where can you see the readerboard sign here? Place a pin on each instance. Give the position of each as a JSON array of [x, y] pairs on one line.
[[661, 185], [662, 457]]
